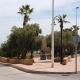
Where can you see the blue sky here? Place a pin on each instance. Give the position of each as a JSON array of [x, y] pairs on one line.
[[42, 14]]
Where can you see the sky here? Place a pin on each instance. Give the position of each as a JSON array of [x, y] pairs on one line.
[[42, 14]]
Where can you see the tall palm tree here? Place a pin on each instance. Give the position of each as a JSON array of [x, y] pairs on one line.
[[25, 11], [61, 21]]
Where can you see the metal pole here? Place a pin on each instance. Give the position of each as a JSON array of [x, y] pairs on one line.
[[76, 44], [52, 51]]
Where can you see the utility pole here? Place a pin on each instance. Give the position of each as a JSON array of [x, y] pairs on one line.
[[52, 51], [76, 43]]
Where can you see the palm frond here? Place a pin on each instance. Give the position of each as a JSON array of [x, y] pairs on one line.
[[64, 16], [27, 6], [66, 21], [31, 10]]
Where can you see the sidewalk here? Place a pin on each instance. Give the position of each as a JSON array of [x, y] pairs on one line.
[[45, 67]]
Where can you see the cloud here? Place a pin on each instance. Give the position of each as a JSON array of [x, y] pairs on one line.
[[62, 3], [42, 13]]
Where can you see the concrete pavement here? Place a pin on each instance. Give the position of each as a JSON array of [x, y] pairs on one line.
[[9, 73]]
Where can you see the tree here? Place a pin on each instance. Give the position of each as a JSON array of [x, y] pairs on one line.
[[61, 20], [48, 41], [68, 41], [25, 11], [75, 30], [23, 40], [34, 41], [16, 41]]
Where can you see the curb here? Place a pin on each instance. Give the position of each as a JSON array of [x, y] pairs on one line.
[[33, 71], [5, 64], [38, 72]]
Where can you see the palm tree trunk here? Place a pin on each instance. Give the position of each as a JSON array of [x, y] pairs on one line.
[[61, 49], [26, 18]]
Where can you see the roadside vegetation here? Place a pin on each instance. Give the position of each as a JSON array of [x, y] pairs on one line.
[[26, 41]]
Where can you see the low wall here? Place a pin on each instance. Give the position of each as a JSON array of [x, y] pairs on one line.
[[26, 61], [3, 59], [16, 61], [13, 61]]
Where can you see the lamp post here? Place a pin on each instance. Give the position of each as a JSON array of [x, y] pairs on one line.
[[52, 45], [76, 43]]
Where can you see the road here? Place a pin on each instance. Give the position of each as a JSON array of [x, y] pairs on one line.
[[9, 73]]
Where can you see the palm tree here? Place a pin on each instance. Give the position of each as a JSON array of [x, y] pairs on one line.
[[75, 30], [61, 20], [25, 11]]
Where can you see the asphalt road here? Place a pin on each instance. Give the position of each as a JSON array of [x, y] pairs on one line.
[[9, 73]]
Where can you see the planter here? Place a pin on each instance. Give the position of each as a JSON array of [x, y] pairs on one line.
[[65, 61], [42, 57], [48, 56], [56, 60], [3, 59], [69, 58], [17, 61], [26, 61], [13, 61]]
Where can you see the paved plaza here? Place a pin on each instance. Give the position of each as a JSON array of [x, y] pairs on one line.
[[44, 66]]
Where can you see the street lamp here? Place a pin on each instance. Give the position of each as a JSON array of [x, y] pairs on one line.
[[76, 43], [52, 51]]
